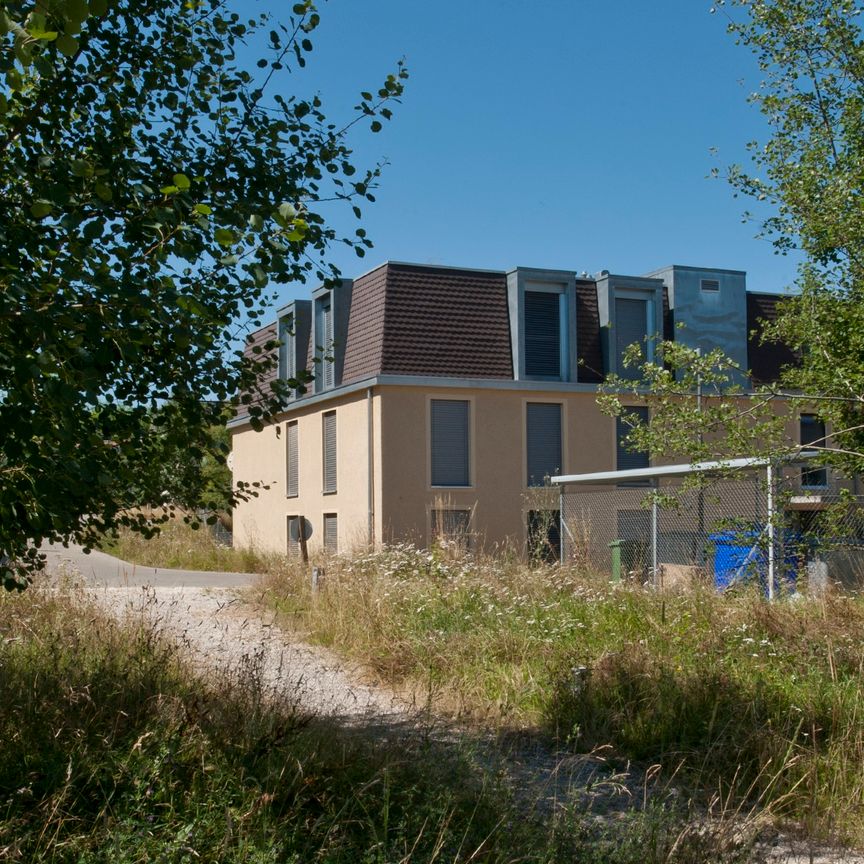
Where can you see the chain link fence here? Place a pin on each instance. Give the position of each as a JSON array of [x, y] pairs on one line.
[[789, 529]]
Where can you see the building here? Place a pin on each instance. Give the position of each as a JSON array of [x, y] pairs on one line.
[[443, 397]]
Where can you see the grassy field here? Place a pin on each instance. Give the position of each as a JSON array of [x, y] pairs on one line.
[[115, 751], [748, 704], [746, 701]]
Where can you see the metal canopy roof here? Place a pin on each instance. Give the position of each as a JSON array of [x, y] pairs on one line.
[[609, 477]]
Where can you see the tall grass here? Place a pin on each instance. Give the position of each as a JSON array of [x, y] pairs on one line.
[[179, 546], [115, 751], [745, 700]]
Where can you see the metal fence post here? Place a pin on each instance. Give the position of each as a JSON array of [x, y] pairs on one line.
[[770, 477], [654, 539]]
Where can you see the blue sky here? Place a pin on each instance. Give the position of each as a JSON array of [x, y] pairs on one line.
[[573, 134]]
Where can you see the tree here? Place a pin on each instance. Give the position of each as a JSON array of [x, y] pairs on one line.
[[153, 192], [811, 169]]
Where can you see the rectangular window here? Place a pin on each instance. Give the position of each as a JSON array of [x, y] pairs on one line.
[[331, 532], [450, 442], [626, 458], [328, 361], [292, 461], [543, 441], [631, 326], [813, 432], [544, 535], [712, 285], [543, 334], [452, 527], [329, 450], [287, 349], [293, 535]]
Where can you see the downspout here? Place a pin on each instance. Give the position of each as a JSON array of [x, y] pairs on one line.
[[370, 473]]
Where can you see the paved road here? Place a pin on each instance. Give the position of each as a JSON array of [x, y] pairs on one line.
[[101, 569]]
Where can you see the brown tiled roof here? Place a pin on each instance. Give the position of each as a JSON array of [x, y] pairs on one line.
[[588, 347], [365, 342], [257, 340], [765, 359], [443, 322]]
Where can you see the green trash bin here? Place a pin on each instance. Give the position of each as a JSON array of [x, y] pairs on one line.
[[615, 548]]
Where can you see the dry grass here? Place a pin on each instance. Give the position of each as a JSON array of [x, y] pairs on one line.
[[753, 701]]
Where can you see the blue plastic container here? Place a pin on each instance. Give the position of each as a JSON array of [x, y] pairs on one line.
[[741, 556]]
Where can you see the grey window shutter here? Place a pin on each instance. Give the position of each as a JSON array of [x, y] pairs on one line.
[[543, 441], [331, 532], [631, 325], [542, 334], [627, 459], [329, 361], [813, 432], [293, 535], [329, 421], [451, 443], [292, 483]]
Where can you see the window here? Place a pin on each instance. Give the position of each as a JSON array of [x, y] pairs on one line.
[[292, 464], [325, 373], [813, 432], [626, 458], [712, 285], [543, 333], [293, 535], [542, 441], [450, 442], [329, 450], [287, 349], [631, 326], [544, 535], [452, 527], [331, 532]]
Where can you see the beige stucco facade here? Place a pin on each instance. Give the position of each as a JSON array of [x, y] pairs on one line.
[[383, 439]]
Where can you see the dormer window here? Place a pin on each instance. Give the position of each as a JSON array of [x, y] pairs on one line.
[[325, 373], [293, 332], [544, 313], [631, 313], [542, 323], [632, 326]]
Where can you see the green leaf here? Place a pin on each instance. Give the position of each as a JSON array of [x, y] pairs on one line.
[[104, 192], [98, 7], [203, 209], [75, 11], [43, 35], [256, 222], [169, 190], [224, 237], [67, 45], [181, 181], [81, 168], [40, 209]]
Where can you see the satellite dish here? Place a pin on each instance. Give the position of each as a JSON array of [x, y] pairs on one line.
[[294, 529]]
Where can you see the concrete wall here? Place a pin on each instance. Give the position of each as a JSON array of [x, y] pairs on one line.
[[499, 496], [261, 522]]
